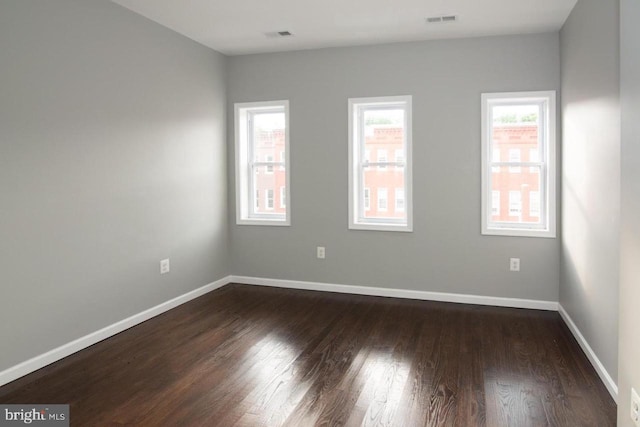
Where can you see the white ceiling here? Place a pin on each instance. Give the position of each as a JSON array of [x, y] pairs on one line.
[[236, 27]]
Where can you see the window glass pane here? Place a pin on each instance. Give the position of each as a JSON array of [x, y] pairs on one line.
[[264, 184], [383, 132], [516, 188], [268, 130], [515, 127], [378, 183]]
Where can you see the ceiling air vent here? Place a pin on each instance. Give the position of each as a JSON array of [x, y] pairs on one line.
[[276, 34], [441, 18]]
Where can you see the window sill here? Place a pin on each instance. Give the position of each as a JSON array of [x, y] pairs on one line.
[[267, 222], [517, 232], [381, 227]]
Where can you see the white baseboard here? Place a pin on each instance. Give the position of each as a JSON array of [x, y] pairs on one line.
[[65, 350], [591, 355], [68, 349], [399, 293]]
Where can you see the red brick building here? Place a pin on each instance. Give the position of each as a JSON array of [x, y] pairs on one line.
[[515, 190]]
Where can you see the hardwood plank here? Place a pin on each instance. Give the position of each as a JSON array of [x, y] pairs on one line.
[[254, 356]]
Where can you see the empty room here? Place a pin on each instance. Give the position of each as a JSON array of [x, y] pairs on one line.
[[294, 213]]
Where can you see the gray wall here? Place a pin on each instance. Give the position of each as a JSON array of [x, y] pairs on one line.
[[591, 175], [446, 251], [112, 157], [629, 366]]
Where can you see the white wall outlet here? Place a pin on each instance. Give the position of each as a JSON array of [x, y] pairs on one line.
[[165, 267], [635, 407], [320, 252], [514, 264]]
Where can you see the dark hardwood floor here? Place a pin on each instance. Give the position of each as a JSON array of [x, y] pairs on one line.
[[252, 356]]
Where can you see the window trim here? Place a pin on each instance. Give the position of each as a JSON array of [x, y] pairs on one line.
[[355, 184], [548, 169], [242, 172]]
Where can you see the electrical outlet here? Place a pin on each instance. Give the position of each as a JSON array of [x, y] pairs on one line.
[[320, 252], [165, 267], [635, 407], [514, 264]]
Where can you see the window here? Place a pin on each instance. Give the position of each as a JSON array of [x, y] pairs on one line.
[[533, 158], [515, 203], [514, 158], [380, 126], [524, 126], [399, 158], [382, 200], [495, 203], [382, 159], [367, 199], [262, 135], [269, 198], [269, 163], [534, 204], [495, 157], [399, 199]]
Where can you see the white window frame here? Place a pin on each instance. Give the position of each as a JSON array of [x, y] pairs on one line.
[[245, 211], [357, 219], [283, 197], [547, 164]]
